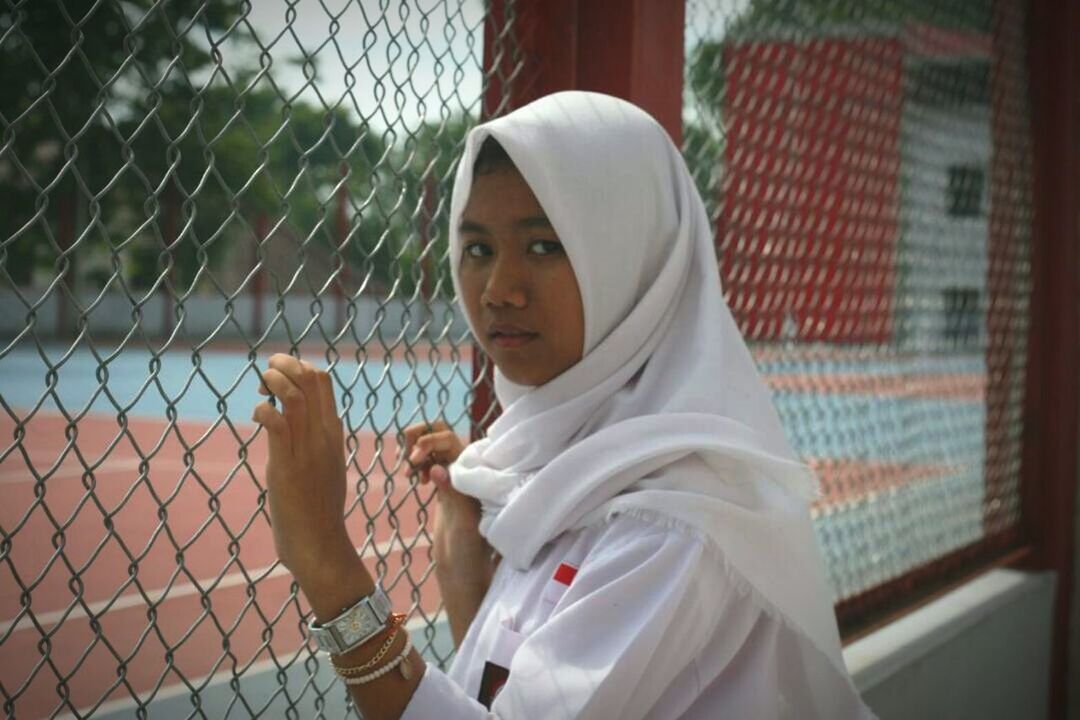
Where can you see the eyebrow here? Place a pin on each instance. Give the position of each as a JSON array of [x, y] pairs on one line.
[[533, 222]]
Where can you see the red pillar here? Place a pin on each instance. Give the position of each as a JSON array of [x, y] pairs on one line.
[[632, 49], [171, 213], [342, 234], [65, 236], [258, 283], [1052, 392]]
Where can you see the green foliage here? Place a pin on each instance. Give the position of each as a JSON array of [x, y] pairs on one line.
[[763, 15], [66, 68], [157, 164]]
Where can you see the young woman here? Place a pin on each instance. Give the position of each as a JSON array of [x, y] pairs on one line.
[[632, 538]]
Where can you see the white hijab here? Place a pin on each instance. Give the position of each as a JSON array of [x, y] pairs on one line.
[[666, 415]]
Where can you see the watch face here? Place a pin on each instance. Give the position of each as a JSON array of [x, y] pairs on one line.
[[357, 625]]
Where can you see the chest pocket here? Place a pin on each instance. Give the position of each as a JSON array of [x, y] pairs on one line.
[[497, 667], [508, 639]]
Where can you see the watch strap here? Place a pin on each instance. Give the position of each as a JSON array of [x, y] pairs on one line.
[[353, 626]]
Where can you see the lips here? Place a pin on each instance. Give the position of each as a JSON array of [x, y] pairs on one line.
[[507, 335], [508, 329]]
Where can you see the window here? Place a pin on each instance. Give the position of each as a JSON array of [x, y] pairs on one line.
[[950, 83], [965, 190], [961, 316]]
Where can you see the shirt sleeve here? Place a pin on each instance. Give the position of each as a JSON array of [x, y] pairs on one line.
[[641, 608]]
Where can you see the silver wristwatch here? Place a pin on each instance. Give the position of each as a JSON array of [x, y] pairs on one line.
[[354, 626]]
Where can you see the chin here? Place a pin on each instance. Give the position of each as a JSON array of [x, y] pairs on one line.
[[520, 378]]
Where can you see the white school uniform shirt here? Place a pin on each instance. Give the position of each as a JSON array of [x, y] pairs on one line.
[[657, 464], [653, 624]]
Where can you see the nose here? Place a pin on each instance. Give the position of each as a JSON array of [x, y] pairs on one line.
[[507, 283]]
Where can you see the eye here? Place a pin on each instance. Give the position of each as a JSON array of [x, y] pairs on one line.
[[476, 250], [546, 247]]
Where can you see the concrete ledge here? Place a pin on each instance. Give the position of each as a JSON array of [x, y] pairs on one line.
[[982, 651]]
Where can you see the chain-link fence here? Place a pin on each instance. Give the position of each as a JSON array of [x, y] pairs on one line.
[[190, 185], [867, 167]]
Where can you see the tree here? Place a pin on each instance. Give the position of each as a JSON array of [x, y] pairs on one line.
[[68, 70]]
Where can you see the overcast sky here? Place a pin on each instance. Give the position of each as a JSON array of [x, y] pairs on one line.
[[406, 61]]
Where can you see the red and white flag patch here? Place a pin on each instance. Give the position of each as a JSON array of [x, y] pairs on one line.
[[559, 582]]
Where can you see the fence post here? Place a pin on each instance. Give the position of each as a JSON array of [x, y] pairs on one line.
[[1052, 393], [631, 49]]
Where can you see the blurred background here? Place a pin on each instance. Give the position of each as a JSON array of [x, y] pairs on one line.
[[188, 186]]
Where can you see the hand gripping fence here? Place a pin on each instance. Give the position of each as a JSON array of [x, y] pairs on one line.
[[189, 186]]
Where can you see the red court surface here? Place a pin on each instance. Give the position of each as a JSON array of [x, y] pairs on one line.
[[145, 571], [158, 570]]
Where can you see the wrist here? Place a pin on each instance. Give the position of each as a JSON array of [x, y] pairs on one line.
[[336, 584]]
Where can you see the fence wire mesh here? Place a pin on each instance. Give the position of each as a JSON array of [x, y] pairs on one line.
[[867, 167], [190, 185], [187, 187]]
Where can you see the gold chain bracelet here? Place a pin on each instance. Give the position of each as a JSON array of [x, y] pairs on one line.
[[395, 623]]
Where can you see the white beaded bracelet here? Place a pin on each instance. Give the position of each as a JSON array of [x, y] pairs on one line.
[[401, 659]]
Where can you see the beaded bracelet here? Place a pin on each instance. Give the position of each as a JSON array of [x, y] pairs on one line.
[[401, 660], [395, 624]]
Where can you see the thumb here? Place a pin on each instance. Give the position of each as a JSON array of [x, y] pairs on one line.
[[441, 477]]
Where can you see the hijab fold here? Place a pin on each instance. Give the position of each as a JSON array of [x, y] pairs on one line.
[[666, 412]]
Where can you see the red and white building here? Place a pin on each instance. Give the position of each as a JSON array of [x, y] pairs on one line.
[[855, 201]]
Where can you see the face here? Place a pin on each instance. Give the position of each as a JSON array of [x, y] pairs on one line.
[[517, 283]]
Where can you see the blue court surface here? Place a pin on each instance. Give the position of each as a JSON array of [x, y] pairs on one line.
[[206, 386], [387, 394]]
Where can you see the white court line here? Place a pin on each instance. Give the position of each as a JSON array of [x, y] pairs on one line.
[[52, 618], [179, 688], [74, 470]]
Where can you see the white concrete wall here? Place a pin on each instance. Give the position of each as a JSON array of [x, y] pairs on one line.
[[980, 652], [937, 251]]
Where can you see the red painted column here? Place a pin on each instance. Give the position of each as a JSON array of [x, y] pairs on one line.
[[169, 230], [632, 49], [342, 233], [258, 283], [1053, 378]]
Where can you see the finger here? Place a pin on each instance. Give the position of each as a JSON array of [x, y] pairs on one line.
[[277, 429], [418, 430], [292, 399], [434, 448], [440, 476], [412, 434], [302, 376], [262, 389], [288, 365], [330, 419], [311, 385]]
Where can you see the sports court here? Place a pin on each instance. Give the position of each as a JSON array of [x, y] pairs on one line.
[[140, 526]]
